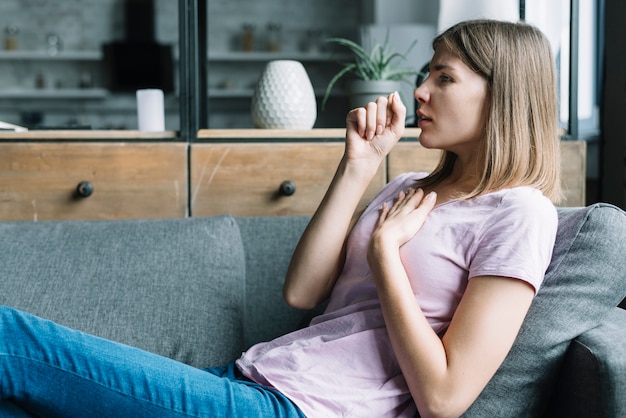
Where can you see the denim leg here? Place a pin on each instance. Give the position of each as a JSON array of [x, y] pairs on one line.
[[53, 371], [10, 410]]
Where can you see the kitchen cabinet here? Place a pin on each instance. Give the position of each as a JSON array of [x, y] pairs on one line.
[[261, 179], [266, 172], [241, 171], [411, 156], [47, 175], [51, 180]]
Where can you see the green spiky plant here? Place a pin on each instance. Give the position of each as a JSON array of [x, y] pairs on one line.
[[378, 64]]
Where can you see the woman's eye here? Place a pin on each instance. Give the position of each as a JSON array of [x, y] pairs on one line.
[[444, 78]]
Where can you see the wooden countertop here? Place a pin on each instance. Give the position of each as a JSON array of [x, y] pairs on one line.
[[283, 133], [72, 134], [205, 134]]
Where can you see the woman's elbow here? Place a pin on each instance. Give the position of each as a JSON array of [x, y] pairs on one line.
[[441, 407], [298, 301]]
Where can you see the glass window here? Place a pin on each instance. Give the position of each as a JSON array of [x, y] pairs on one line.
[[78, 64], [554, 19]]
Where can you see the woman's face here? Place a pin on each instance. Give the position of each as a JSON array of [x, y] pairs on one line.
[[453, 104]]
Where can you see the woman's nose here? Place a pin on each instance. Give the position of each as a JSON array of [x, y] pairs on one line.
[[421, 93], [420, 81]]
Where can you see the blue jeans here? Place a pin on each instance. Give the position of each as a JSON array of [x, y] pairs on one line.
[[52, 371]]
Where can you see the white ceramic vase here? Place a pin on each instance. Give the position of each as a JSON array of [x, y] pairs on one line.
[[284, 97]]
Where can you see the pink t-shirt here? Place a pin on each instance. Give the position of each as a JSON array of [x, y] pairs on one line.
[[343, 363]]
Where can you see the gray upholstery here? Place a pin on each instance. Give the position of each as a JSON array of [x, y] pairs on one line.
[[201, 290], [585, 280], [269, 243], [601, 353], [172, 287]]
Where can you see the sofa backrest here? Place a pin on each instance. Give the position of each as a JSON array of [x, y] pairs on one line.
[[173, 287], [269, 243], [585, 281]]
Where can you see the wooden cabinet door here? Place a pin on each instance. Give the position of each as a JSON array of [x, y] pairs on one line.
[[411, 156], [245, 179], [574, 173], [38, 181]]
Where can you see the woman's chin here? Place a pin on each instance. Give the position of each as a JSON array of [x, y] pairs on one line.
[[426, 141]]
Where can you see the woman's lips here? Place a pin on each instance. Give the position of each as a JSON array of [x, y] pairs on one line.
[[422, 119]]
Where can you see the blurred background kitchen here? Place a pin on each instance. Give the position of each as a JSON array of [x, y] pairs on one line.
[[78, 63]]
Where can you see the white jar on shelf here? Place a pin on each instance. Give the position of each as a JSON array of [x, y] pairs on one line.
[[284, 98]]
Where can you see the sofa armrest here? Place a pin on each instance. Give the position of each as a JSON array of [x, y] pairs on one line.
[[592, 380]]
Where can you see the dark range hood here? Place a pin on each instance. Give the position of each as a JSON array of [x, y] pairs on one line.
[[138, 61]]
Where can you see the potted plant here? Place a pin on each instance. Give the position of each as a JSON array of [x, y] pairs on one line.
[[377, 72]]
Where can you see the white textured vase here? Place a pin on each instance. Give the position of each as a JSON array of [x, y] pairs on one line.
[[284, 97]]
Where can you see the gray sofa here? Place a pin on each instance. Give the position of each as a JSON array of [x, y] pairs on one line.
[[201, 290]]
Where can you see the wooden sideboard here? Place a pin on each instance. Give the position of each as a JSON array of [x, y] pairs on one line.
[[46, 175]]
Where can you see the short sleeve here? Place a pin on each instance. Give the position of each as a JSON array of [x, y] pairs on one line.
[[517, 239]]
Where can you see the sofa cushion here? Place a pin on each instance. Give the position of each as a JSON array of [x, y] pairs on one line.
[[269, 243], [173, 287], [592, 378], [585, 280]]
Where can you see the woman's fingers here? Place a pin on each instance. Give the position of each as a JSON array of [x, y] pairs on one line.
[[373, 118], [401, 220], [410, 200], [376, 117], [397, 112], [381, 114], [355, 120]]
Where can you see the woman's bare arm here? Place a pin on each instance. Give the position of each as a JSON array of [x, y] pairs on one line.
[[445, 375], [371, 133]]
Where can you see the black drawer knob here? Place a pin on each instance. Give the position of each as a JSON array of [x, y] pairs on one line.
[[84, 189], [287, 188]]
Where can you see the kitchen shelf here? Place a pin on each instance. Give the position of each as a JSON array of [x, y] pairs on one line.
[[91, 93], [231, 56], [247, 93], [45, 56], [230, 93]]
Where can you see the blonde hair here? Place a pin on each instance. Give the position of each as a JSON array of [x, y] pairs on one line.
[[521, 146]]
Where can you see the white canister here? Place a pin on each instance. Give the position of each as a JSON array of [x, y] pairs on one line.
[[150, 110]]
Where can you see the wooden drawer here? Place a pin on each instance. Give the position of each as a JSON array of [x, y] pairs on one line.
[[244, 179], [38, 181], [573, 172], [411, 156]]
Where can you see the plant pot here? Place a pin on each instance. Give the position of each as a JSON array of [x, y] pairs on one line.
[[284, 97], [362, 92]]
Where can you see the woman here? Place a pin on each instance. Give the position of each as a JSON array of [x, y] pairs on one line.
[[427, 288]]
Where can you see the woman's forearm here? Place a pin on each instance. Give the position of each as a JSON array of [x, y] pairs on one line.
[[371, 133], [419, 350], [319, 255]]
